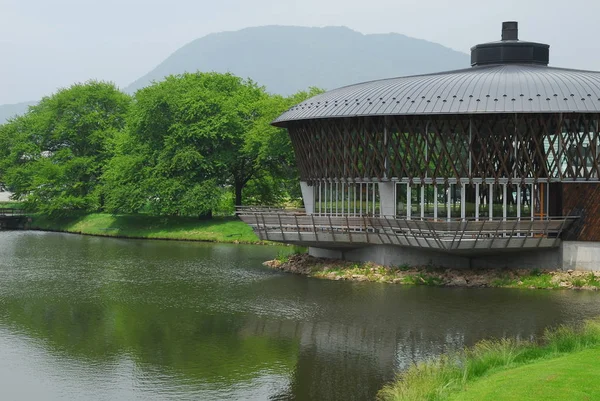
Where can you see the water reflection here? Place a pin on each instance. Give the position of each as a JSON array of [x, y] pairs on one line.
[[166, 320]]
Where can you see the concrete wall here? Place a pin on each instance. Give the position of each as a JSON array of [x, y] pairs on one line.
[[570, 255], [579, 255], [308, 196], [386, 198], [325, 253], [390, 255]]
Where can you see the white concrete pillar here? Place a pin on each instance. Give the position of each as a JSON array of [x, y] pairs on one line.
[[386, 198], [308, 195]]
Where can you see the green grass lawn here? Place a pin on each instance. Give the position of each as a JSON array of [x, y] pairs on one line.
[[219, 229], [574, 377], [563, 365]]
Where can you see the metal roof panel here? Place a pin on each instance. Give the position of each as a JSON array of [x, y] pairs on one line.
[[481, 89]]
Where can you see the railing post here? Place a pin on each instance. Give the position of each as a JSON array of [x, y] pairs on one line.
[[265, 226], [348, 228], [512, 233], [555, 243], [297, 226], [281, 227], [257, 223]]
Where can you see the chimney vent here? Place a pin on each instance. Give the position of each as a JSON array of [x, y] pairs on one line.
[[510, 50], [510, 30]]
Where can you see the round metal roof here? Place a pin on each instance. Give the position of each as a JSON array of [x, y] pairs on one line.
[[509, 88], [499, 82]]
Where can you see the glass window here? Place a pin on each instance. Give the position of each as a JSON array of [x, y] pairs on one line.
[[442, 201], [455, 201], [429, 201], [526, 200], [470, 200], [511, 200], [415, 201], [376, 200], [401, 200], [484, 201], [498, 201]]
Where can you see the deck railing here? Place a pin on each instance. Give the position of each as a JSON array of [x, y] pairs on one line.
[[10, 211], [296, 227]]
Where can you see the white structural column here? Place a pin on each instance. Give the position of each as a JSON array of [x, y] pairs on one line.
[[435, 202], [308, 195], [491, 202], [476, 202], [386, 198], [504, 202], [422, 201], [462, 200]]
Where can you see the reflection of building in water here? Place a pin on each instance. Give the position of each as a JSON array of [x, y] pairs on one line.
[[451, 168], [349, 353]]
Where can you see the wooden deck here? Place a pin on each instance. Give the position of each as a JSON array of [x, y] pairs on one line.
[[12, 218], [453, 236]]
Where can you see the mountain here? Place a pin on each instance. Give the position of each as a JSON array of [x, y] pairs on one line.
[[11, 110], [286, 59]]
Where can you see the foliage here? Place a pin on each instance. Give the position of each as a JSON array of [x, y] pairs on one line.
[[268, 150], [423, 279], [547, 280], [55, 153], [192, 137], [184, 146], [451, 374]]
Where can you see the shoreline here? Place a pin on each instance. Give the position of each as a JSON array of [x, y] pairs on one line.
[[332, 269], [545, 365], [235, 242], [144, 227]]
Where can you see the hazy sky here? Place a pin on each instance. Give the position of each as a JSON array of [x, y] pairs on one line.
[[47, 44]]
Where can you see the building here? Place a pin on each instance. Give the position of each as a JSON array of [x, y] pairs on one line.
[[493, 165]]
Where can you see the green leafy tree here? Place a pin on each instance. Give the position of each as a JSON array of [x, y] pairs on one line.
[[180, 146], [56, 152], [189, 138], [274, 177]]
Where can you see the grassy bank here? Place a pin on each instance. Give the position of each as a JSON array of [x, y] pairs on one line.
[[223, 229], [432, 276], [564, 365]]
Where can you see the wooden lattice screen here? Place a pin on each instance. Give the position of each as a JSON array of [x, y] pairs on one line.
[[516, 147]]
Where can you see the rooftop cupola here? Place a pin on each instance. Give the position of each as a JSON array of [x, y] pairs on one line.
[[510, 50]]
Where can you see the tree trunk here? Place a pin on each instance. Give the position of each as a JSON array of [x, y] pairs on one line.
[[238, 193], [205, 216]]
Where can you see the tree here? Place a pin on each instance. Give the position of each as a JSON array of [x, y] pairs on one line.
[[182, 144], [56, 152], [274, 175]]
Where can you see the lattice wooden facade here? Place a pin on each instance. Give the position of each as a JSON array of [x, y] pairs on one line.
[[582, 200], [495, 148]]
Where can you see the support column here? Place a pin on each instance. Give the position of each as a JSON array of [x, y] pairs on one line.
[[308, 195], [477, 202], [463, 192], [386, 198]]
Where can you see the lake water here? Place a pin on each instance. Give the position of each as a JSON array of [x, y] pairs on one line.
[[86, 318]]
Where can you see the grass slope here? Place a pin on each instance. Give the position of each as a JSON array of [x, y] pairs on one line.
[[569, 378], [486, 371], [225, 229]]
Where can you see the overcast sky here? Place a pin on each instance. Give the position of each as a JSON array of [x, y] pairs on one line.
[[47, 44]]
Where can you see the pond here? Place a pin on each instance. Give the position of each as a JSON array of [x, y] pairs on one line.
[[104, 319]]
